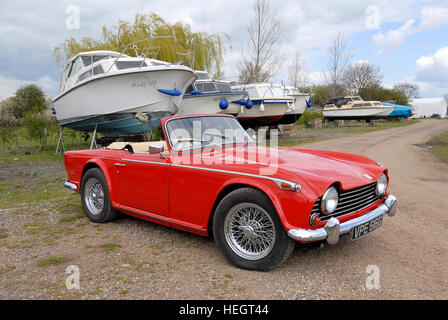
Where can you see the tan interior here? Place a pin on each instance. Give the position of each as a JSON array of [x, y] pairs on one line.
[[138, 147]]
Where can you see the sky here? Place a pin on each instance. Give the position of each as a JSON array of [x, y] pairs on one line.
[[407, 39]]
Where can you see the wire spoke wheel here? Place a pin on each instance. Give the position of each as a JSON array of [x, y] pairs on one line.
[[249, 231], [94, 196]]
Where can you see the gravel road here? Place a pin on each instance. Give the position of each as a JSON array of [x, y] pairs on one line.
[[134, 259]]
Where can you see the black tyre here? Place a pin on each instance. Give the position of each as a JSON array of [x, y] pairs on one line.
[[248, 230], [95, 197]]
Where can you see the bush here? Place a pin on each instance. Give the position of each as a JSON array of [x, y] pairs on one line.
[[308, 116], [383, 94], [7, 132]]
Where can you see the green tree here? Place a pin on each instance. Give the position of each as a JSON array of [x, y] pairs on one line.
[[378, 93], [35, 127], [208, 47], [29, 98], [323, 93]]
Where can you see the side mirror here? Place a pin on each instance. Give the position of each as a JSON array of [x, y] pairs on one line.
[[155, 148]]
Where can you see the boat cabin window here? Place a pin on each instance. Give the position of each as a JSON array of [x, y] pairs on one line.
[[265, 91], [85, 75], [76, 66], [88, 60], [97, 70], [277, 91], [129, 64], [223, 87], [252, 92], [339, 102], [91, 72], [206, 86]]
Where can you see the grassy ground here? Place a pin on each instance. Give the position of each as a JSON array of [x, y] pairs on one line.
[[440, 146], [21, 149]]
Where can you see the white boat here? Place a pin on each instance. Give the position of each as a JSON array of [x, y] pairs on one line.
[[268, 106], [207, 95], [301, 102], [354, 108], [118, 94]]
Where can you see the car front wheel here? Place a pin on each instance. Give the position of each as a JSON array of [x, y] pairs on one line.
[[249, 232], [95, 197]]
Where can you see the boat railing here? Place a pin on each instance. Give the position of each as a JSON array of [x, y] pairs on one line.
[[145, 54]]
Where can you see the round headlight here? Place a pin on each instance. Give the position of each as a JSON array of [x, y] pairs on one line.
[[329, 201], [381, 185]]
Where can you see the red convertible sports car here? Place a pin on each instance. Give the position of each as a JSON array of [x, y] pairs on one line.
[[208, 176]]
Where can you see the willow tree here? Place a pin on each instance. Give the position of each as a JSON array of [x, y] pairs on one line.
[[199, 50]]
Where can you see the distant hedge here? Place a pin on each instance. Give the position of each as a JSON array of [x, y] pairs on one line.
[[307, 116]]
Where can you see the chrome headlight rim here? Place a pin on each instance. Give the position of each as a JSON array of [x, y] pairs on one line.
[[329, 201], [381, 185]]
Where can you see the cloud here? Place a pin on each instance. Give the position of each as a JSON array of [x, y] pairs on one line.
[[8, 86], [430, 19], [393, 39], [433, 68], [433, 18]]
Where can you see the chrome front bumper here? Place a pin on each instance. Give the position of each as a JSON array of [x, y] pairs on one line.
[[333, 228], [70, 185]]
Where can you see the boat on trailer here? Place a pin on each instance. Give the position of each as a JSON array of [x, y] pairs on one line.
[[116, 94], [301, 102], [207, 95], [355, 108], [268, 105]]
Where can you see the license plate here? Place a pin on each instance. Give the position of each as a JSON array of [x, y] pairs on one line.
[[365, 228]]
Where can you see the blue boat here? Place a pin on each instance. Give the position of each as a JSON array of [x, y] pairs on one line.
[[399, 111]]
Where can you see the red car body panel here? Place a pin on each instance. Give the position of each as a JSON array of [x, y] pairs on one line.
[[182, 190]]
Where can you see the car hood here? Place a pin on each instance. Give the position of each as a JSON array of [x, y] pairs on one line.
[[314, 168]]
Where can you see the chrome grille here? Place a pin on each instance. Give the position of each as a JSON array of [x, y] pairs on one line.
[[351, 201]]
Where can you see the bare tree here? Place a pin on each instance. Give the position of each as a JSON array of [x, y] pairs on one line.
[[411, 91], [338, 61], [361, 74], [261, 61], [297, 76]]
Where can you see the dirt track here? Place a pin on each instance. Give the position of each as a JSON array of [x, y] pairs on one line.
[[154, 262]]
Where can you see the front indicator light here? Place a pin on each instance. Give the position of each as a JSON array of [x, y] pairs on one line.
[[288, 185]]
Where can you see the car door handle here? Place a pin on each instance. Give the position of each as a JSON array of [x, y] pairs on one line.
[[120, 164]]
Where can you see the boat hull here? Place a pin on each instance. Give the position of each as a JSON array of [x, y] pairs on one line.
[[209, 103], [127, 93], [118, 124], [358, 113], [294, 114], [266, 112]]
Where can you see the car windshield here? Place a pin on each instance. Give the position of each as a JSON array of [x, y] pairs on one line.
[[200, 131]]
